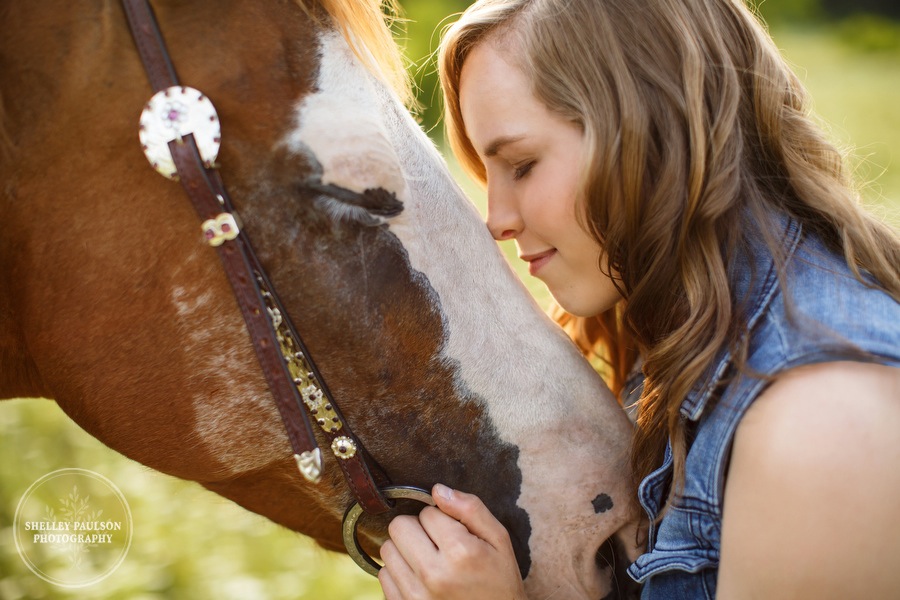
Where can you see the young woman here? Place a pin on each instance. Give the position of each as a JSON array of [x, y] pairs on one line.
[[656, 164]]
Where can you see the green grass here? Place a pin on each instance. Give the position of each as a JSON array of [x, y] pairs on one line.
[[191, 544]]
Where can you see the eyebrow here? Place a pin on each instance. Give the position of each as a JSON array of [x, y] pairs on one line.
[[495, 146]]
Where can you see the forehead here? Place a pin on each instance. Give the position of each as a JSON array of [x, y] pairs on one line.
[[340, 126], [490, 76], [496, 96]]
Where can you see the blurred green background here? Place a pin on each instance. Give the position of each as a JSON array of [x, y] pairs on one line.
[[191, 544]]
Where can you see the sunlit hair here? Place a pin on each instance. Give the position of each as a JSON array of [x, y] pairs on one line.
[[367, 26], [692, 122]]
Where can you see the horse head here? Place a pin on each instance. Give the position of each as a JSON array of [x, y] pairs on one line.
[[442, 363]]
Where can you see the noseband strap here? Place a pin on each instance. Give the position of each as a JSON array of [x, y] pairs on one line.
[[292, 376]]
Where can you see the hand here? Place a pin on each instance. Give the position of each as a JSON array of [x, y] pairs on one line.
[[457, 550]]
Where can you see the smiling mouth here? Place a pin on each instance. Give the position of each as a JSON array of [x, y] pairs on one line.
[[537, 261]]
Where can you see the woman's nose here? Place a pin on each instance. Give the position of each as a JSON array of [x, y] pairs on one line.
[[503, 218]]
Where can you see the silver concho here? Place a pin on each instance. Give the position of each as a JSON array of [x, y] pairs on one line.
[[343, 447], [310, 464], [172, 114]]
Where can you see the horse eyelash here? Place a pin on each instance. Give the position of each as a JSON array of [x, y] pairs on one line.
[[342, 212]]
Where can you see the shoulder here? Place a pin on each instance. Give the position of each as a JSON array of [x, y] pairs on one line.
[[823, 307], [812, 488], [822, 400]]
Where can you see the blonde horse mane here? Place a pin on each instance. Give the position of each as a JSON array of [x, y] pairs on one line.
[[367, 27]]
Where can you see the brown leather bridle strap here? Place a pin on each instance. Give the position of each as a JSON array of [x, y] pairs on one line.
[[256, 296], [236, 260]]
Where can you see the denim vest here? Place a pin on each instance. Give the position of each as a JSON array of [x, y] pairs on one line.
[[830, 316]]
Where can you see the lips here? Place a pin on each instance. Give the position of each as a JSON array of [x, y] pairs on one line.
[[537, 261]]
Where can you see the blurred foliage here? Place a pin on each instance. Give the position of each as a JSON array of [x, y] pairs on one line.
[[843, 8], [795, 11], [188, 544], [866, 25], [191, 544], [778, 11], [870, 33]]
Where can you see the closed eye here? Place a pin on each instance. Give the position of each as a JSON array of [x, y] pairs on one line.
[[522, 170], [370, 207], [343, 212]]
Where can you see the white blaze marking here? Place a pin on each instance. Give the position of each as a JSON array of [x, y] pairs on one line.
[[488, 311], [541, 395], [339, 125]]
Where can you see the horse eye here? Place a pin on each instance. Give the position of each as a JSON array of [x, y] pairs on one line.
[[381, 202], [343, 204], [343, 212]]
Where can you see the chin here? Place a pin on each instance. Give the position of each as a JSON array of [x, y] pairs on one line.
[[577, 309], [585, 307]]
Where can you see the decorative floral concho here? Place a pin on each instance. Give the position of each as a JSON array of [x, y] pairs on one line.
[[173, 114]]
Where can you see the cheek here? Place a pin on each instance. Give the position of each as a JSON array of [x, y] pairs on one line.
[[551, 203], [565, 189]]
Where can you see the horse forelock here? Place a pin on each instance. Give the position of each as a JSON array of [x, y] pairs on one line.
[[367, 27]]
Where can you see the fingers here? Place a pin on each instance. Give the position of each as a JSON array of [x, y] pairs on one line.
[[471, 512], [410, 549], [436, 556], [396, 577], [388, 585]]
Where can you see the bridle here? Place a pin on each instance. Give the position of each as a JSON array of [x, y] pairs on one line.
[[180, 135]]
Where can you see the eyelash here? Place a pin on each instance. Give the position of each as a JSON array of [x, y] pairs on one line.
[[522, 171]]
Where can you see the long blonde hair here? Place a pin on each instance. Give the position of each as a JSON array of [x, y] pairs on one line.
[[692, 120]]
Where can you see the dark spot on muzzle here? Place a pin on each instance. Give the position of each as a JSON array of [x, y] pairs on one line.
[[602, 503]]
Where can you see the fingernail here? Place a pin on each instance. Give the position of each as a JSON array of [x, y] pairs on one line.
[[443, 491]]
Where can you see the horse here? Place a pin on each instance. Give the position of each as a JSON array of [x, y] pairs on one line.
[[113, 305]]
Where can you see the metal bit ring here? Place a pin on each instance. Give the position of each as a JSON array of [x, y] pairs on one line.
[[351, 517]]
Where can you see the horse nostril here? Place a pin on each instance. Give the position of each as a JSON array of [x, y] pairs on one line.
[[612, 558]]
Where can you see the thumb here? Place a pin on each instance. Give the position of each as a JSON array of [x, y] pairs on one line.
[[469, 510]]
